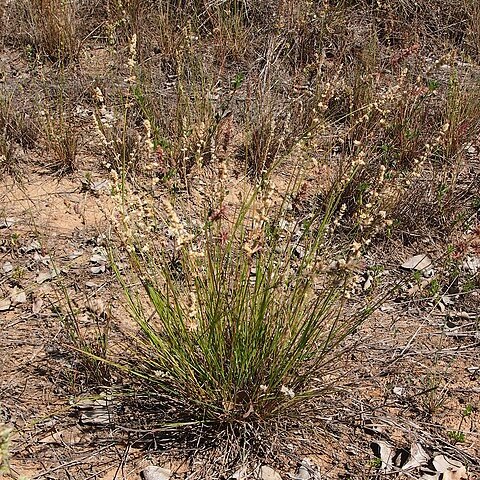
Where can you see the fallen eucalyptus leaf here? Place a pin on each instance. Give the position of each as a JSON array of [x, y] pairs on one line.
[[31, 247], [98, 258], [385, 452], [302, 474], [7, 267], [449, 468], [45, 276], [460, 474], [18, 297], [418, 457], [41, 259], [100, 185], [368, 283], [5, 304], [240, 474], [268, 473], [400, 391], [471, 149], [7, 222], [417, 262], [75, 254], [98, 269], [155, 473]]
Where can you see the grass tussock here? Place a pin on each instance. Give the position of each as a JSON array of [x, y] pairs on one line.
[[237, 325], [54, 29], [256, 151], [234, 322], [18, 133]]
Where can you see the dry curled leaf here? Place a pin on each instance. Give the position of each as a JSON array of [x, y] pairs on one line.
[[7, 267], [98, 258], [417, 262], [18, 296], [268, 473], [418, 457], [46, 276], [451, 469], [98, 269], [7, 222], [385, 452], [75, 254]]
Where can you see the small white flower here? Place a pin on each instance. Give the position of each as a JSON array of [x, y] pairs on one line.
[[288, 392]]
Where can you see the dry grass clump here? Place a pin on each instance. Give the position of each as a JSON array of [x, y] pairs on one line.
[[62, 142], [44, 29], [438, 197], [367, 106], [473, 29], [433, 23], [18, 132], [51, 28], [123, 148], [240, 316], [7, 147], [195, 81]]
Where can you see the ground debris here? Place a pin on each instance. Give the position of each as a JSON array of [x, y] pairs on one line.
[[155, 473], [268, 473], [417, 262]]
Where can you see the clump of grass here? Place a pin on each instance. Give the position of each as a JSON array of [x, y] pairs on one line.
[[7, 154], [263, 143], [53, 29], [123, 148], [461, 111], [393, 133], [17, 132], [61, 140], [238, 312], [240, 319], [90, 338], [473, 15], [434, 395]]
